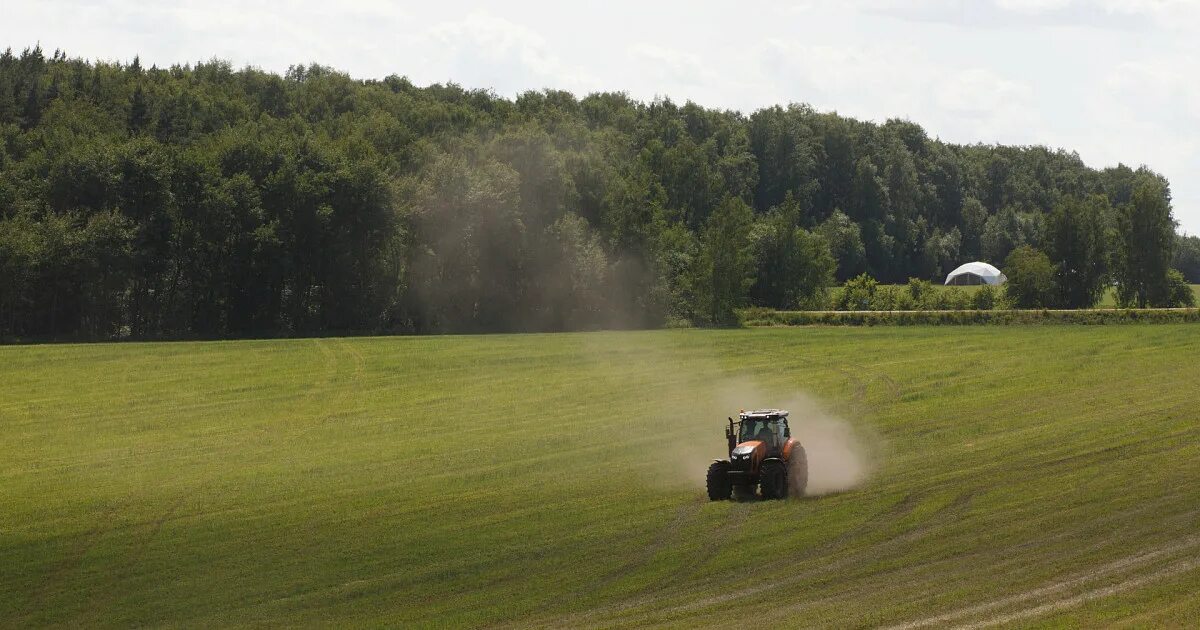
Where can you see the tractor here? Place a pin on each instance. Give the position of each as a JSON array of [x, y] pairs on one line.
[[763, 453]]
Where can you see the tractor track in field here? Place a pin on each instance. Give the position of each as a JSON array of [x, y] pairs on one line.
[[861, 378], [330, 372], [899, 510], [1063, 587], [583, 618], [355, 379], [1056, 596], [685, 514], [323, 382], [141, 544], [74, 559], [341, 392], [733, 523]]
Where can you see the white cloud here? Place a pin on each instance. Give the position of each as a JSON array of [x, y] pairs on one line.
[[669, 65], [483, 50], [1033, 7], [962, 104], [1113, 79]]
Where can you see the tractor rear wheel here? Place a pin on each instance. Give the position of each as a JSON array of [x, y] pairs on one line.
[[798, 471], [773, 479], [719, 486]]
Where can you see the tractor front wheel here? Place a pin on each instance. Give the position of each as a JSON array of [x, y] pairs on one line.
[[773, 479], [719, 486]]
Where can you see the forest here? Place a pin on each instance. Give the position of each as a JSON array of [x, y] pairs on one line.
[[200, 201]]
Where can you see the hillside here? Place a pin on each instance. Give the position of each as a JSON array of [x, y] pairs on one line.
[[1043, 475]]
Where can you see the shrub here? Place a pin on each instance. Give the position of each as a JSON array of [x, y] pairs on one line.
[[955, 299], [857, 293], [920, 290], [993, 317], [1030, 278], [886, 298], [985, 298], [1179, 293]]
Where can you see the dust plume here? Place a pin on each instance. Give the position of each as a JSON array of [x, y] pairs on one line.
[[841, 455], [838, 458]]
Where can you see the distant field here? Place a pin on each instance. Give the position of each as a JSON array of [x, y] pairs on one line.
[[1024, 475]]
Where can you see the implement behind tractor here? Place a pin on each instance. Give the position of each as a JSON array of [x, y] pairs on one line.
[[762, 453]]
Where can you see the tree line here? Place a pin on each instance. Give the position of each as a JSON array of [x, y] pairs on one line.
[[199, 200]]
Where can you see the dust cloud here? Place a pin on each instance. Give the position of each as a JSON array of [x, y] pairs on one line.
[[839, 459], [676, 384], [841, 456]]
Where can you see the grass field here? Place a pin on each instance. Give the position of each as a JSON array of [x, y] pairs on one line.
[[1041, 475]]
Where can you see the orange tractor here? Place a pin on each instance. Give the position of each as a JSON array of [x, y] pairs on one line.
[[763, 453]]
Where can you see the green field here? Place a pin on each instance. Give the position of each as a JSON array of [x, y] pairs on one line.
[[1018, 475]]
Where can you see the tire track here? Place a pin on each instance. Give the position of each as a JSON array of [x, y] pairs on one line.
[[321, 384], [134, 557], [1118, 566], [588, 618], [342, 391], [683, 515], [1178, 568], [734, 523], [73, 560], [861, 378], [898, 511]]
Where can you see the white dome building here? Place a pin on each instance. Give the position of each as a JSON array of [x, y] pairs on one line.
[[975, 273]]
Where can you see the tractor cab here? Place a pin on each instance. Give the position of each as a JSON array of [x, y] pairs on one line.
[[769, 426]]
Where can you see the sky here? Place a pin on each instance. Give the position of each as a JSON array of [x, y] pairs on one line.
[[1114, 80]]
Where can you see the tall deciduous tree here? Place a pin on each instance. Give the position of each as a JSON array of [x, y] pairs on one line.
[[728, 263], [1145, 244], [846, 244], [794, 267], [1187, 258], [1030, 278], [1075, 243]]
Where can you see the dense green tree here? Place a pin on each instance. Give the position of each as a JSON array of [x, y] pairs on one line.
[[785, 147], [942, 253], [1007, 230], [574, 276], [466, 273], [1075, 243], [1179, 292], [1145, 244], [846, 244], [139, 113], [727, 263], [794, 267], [1187, 257], [973, 219], [1030, 278]]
